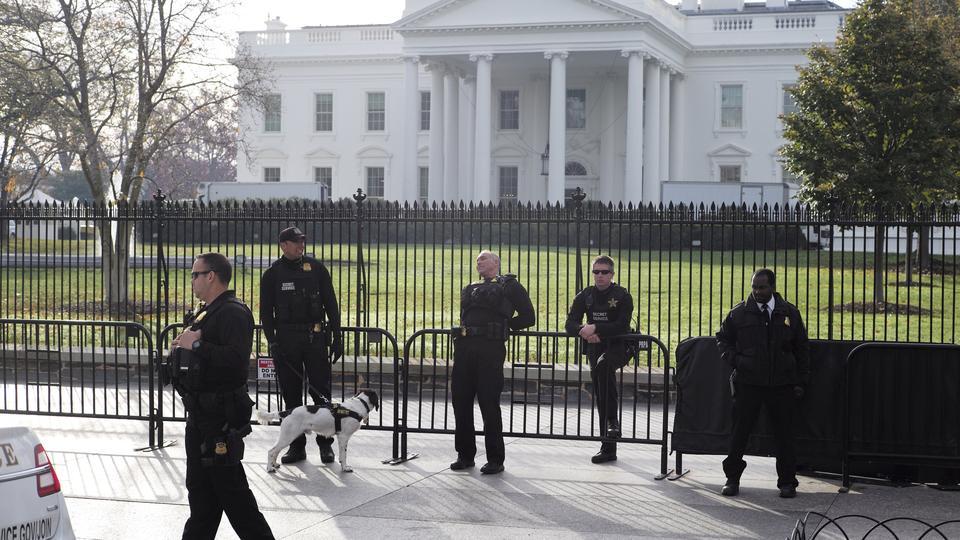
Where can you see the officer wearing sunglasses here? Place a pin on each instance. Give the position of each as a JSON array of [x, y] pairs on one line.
[[608, 308]]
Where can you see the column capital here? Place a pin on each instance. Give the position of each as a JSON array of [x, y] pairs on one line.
[[559, 54], [412, 58], [434, 66], [627, 53], [475, 57]]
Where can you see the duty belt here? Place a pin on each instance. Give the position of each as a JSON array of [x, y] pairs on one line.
[[300, 327], [492, 330]]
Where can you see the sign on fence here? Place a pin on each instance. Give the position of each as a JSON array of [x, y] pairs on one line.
[[265, 369]]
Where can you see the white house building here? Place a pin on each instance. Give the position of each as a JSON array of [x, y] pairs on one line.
[[487, 100]]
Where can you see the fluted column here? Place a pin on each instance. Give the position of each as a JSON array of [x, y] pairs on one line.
[[651, 135], [609, 190], [558, 125], [465, 187], [451, 141], [411, 126], [633, 178], [664, 160], [677, 119], [435, 182], [481, 166]]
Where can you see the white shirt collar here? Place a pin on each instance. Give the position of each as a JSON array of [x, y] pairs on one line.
[[770, 304]]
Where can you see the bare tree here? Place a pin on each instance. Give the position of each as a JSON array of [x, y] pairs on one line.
[[114, 66]]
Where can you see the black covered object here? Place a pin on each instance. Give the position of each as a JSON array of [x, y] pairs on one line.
[[703, 420]]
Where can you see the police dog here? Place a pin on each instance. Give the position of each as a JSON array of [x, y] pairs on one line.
[[322, 421]]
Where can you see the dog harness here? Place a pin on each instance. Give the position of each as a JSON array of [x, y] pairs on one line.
[[338, 411]]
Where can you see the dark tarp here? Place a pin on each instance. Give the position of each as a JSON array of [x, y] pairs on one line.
[[928, 418]]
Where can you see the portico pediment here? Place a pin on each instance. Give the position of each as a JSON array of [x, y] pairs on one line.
[[479, 14]]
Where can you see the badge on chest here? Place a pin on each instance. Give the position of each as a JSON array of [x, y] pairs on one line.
[[288, 286]]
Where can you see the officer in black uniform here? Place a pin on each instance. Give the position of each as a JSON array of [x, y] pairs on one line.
[[214, 354], [764, 340], [301, 319], [487, 310], [608, 308]]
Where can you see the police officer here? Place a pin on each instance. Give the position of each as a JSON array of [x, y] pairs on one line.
[[608, 308], [216, 351], [764, 340], [301, 319], [487, 310]]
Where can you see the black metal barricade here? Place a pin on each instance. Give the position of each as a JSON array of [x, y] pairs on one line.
[[546, 389], [902, 406], [97, 369], [370, 361], [816, 525]]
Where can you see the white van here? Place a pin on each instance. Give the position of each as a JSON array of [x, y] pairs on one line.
[[31, 503]]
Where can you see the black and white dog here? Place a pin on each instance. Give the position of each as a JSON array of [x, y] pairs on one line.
[[342, 420]]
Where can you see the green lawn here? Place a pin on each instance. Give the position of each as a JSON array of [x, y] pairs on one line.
[[678, 294]]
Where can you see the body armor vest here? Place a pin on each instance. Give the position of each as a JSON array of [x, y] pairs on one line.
[[489, 296], [297, 293]]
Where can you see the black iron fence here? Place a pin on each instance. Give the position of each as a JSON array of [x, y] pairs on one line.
[[401, 268]]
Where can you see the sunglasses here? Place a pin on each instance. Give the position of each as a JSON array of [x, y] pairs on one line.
[[195, 275], [603, 272]]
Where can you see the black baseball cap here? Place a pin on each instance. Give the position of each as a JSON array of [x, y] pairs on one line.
[[291, 234]]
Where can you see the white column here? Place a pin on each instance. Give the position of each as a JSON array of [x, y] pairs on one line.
[[451, 141], [558, 126], [465, 187], [677, 107], [482, 191], [435, 182], [664, 160], [609, 191], [633, 177], [411, 127], [651, 135]]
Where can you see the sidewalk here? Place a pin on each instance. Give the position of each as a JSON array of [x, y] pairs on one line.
[[550, 488]]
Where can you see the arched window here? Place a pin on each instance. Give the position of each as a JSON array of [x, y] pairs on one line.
[[575, 168]]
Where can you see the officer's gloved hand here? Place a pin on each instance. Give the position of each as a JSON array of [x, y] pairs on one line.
[[274, 349], [336, 349]]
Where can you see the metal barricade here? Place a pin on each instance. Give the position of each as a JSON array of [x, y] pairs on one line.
[[547, 389], [94, 369], [370, 361]]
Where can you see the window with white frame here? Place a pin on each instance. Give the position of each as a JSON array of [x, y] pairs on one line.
[[271, 174], [375, 176], [576, 108], [509, 183], [323, 110], [789, 101], [324, 177], [730, 174], [271, 113], [424, 111], [509, 109], [731, 106], [376, 111], [424, 186]]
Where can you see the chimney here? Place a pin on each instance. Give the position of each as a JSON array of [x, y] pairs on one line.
[[275, 24]]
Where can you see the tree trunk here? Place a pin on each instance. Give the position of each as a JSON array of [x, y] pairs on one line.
[[926, 263], [879, 266], [909, 255], [4, 217], [114, 261]]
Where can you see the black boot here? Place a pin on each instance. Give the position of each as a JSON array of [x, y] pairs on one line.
[[294, 454], [608, 452], [326, 449]]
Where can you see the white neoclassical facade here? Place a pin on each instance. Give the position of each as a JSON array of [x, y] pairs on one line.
[[487, 100]]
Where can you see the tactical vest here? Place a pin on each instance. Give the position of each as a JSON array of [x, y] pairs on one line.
[[297, 293], [605, 311], [188, 363], [489, 296]]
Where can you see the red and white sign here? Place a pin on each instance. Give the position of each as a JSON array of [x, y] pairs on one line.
[[265, 369]]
